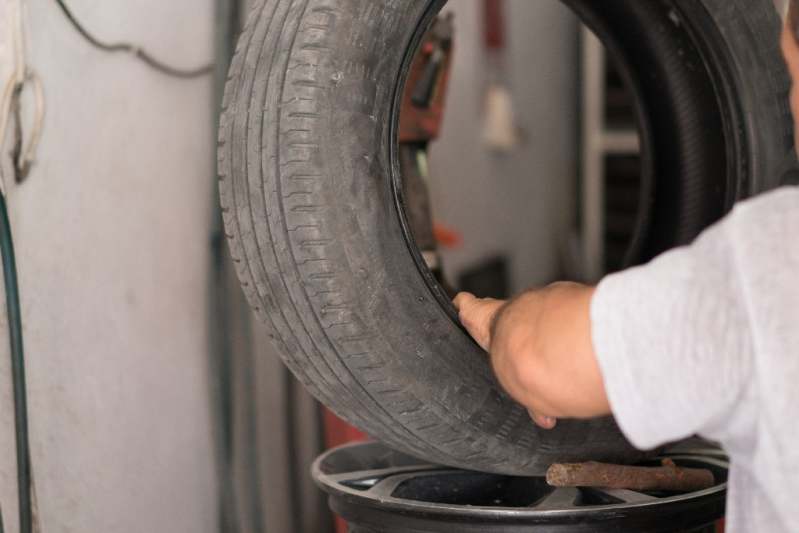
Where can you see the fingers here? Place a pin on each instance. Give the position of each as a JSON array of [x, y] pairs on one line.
[[476, 314], [463, 299], [546, 422]]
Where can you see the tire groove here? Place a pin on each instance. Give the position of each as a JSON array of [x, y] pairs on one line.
[[322, 385], [245, 273], [390, 432], [315, 385]]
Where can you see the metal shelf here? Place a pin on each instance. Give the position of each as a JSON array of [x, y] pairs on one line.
[[598, 141]]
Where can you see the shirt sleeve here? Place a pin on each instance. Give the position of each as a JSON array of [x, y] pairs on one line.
[[673, 343]]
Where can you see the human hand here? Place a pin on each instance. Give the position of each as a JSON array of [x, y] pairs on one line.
[[477, 316], [541, 350]]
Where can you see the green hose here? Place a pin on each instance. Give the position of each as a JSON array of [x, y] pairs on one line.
[[17, 372]]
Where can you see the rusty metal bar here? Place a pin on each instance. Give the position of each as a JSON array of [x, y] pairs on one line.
[[668, 477]]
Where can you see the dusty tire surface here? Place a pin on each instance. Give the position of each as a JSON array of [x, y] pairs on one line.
[[308, 185]]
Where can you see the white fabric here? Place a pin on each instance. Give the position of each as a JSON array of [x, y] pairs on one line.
[[705, 340]]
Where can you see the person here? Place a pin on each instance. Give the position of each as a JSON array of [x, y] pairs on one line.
[[702, 340]]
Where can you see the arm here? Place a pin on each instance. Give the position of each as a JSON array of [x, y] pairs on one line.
[[541, 350]]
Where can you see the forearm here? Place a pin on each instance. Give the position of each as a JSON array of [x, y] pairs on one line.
[[542, 354]]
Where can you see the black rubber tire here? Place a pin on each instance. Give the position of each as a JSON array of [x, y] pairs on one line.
[[711, 94], [309, 188]]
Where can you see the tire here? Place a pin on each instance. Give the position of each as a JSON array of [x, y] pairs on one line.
[[711, 94], [313, 209]]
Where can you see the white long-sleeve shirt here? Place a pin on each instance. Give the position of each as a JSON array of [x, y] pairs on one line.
[[705, 340]]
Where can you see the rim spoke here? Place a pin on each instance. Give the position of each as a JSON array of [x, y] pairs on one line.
[[560, 498], [366, 479], [624, 495], [719, 460]]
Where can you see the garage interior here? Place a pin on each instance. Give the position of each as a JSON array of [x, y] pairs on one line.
[[157, 400]]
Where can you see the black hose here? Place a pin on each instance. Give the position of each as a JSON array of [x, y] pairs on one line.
[[17, 371], [132, 49]]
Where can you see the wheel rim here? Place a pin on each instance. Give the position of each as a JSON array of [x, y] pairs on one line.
[[371, 475]]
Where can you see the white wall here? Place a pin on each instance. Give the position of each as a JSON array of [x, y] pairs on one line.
[[112, 234], [521, 205]]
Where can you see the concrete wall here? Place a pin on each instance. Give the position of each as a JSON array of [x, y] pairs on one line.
[[520, 205], [112, 232]]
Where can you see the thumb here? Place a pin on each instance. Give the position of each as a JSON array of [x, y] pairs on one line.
[[463, 299], [476, 314]]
